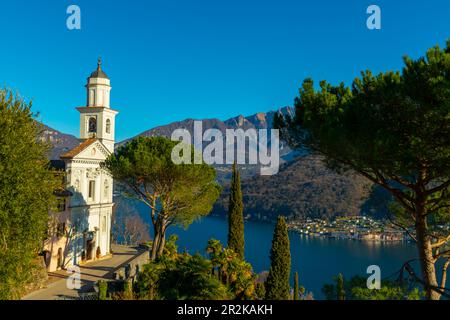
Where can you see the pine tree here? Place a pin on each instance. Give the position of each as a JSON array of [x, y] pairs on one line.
[[277, 285], [296, 290], [340, 287], [176, 195], [344, 126], [236, 240]]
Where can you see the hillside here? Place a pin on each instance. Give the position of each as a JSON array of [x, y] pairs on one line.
[[257, 121], [302, 188], [61, 142]]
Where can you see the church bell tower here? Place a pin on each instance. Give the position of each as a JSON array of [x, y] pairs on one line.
[[97, 119]]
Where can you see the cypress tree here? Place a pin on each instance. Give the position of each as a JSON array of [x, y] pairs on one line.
[[260, 290], [277, 285], [236, 240], [296, 290], [340, 287]]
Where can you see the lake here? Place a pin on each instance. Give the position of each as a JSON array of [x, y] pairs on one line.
[[317, 259]]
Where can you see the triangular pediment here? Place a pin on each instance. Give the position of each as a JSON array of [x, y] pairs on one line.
[[91, 149], [95, 151]]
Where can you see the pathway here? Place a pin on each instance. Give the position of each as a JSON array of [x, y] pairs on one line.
[[90, 274]]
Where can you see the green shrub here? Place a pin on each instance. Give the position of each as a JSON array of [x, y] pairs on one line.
[[102, 290]]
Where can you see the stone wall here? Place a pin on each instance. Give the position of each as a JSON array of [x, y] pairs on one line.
[[133, 267]]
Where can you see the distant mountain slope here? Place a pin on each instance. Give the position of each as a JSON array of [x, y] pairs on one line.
[[302, 188], [257, 121], [61, 142]]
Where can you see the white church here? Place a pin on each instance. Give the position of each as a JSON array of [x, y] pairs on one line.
[[81, 228]]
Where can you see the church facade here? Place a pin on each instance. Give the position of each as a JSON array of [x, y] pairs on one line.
[[81, 226]]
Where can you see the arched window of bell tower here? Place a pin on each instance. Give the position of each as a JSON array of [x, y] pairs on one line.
[[92, 125]]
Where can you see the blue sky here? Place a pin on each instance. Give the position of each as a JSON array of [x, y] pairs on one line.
[[170, 60]]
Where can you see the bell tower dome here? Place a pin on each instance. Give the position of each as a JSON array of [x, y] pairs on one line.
[[98, 88], [97, 119]]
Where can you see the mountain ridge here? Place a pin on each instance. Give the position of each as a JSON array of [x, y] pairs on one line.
[[260, 120], [61, 142], [304, 187]]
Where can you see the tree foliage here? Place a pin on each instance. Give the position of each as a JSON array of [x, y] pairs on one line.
[[260, 291], [189, 278], [236, 240], [356, 289], [277, 284], [296, 288], [175, 193], [232, 270], [181, 276], [340, 290], [26, 194], [394, 130]]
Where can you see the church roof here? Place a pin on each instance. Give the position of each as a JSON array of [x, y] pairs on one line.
[[99, 72], [82, 146]]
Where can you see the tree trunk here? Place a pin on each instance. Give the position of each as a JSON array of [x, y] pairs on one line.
[[151, 293], [155, 232], [224, 278], [162, 243], [426, 256], [155, 244]]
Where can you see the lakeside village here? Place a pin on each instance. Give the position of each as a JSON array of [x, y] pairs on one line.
[[356, 228]]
